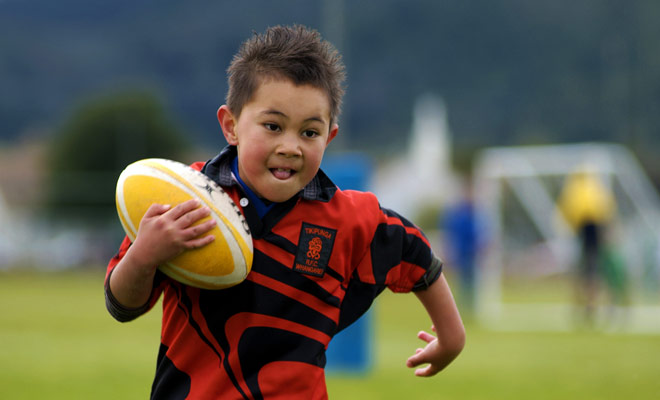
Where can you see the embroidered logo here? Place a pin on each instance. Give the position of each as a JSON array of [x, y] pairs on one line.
[[314, 249]]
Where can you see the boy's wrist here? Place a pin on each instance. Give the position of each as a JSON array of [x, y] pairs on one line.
[[139, 263]]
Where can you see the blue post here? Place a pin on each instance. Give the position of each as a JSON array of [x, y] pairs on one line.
[[350, 351]]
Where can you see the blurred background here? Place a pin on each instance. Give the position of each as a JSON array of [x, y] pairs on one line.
[[474, 119]]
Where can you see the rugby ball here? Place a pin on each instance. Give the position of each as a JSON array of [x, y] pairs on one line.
[[224, 262]]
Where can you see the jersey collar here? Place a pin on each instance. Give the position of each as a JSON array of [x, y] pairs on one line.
[[321, 188]]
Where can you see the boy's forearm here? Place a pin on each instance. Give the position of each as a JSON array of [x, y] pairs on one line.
[[131, 283], [441, 308], [118, 311]]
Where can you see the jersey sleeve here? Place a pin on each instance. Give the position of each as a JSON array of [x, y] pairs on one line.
[[114, 307], [399, 256]]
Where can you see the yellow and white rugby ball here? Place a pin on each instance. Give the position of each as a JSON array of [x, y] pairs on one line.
[[224, 262]]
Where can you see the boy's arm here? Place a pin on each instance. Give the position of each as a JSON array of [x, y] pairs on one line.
[[439, 352], [163, 234]]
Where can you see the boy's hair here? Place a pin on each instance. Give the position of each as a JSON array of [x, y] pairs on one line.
[[293, 52]]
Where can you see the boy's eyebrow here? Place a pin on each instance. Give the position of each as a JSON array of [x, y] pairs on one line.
[[281, 114]]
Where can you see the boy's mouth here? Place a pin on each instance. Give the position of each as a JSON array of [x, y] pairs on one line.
[[282, 173]]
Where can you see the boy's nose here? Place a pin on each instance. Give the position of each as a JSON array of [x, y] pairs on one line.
[[289, 146]]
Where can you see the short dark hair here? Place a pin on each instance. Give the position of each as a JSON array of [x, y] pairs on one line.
[[293, 52]]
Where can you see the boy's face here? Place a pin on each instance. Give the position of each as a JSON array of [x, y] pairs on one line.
[[281, 135]]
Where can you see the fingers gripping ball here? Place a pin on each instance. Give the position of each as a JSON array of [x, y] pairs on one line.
[[224, 262]]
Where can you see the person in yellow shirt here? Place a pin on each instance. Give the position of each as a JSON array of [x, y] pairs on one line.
[[588, 206]]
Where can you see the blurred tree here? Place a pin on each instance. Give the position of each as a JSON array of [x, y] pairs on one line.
[[96, 143]]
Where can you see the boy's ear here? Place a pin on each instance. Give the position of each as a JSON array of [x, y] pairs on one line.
[[228, 125], [333, 132]]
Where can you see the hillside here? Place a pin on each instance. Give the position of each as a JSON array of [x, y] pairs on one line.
[[511, 72]]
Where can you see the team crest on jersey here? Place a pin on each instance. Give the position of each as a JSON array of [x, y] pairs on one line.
[[314, 249]]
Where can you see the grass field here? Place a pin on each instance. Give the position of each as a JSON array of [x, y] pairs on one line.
[[58, 342]]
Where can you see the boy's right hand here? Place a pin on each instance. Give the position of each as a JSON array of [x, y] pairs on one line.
[[165, 232]]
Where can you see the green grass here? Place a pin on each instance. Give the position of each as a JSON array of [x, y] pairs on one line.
[[58, 342]]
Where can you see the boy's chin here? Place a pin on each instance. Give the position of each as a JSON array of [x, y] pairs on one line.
[[279, 198], [280, 191]]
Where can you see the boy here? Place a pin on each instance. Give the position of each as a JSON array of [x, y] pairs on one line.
[[266, 337]]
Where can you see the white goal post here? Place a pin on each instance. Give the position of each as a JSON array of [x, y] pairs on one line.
[[524, 182]]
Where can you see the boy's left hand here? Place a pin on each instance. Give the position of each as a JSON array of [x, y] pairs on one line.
[[447, 325], [431, 354]]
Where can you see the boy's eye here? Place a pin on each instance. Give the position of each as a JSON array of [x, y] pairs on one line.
[[272, 127], [310, 134]]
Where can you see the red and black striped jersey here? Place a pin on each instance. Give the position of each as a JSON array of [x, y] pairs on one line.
[[320, 259]]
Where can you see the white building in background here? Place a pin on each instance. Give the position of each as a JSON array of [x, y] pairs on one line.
[[26, 238], [422, 176], [7, 238]]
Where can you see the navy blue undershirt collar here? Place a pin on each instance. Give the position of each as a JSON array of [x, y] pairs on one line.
[[259, 204]]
